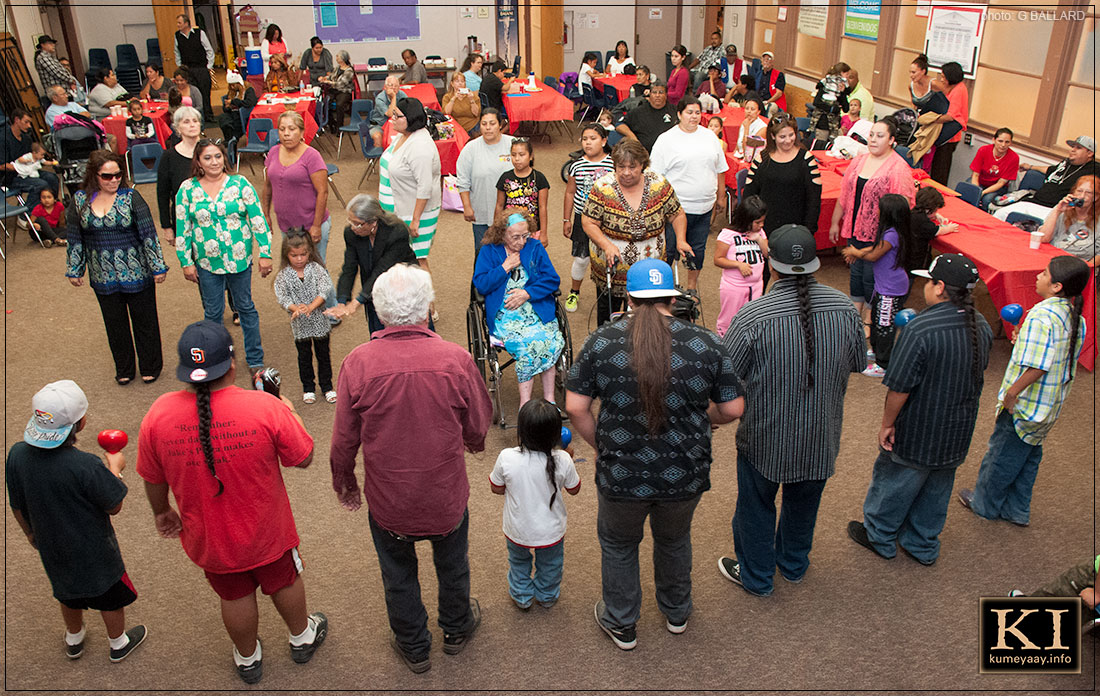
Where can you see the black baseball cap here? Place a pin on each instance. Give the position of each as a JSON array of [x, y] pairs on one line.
[[793, 251], [206, 352], [953, 269]]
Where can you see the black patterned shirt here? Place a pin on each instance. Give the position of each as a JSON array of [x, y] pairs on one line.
[[630, 464]]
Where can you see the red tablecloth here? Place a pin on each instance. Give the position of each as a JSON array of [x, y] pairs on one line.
[[157, 111], [306, 106], [425, 92], [545, 105], [1006, 264], [449, 148], [732, 117], [622, 84]]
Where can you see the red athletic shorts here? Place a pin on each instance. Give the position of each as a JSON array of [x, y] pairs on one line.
[[269, 578]]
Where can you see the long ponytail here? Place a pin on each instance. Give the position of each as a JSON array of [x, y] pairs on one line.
[[1073, 274], [964, 300], [202, 403], [802, 283], [650, 357]]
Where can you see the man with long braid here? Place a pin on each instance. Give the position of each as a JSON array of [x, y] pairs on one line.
[[794, 348], [935, 380], [218, 448]]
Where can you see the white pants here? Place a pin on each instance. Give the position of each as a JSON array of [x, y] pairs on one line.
[[1025, 207]]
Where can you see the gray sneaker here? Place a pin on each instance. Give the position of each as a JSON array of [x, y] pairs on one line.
[[255, 671], [137, 637], [304, 653], [417, 666]]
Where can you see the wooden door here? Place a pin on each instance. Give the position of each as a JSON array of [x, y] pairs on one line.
[[16, 87], [165, 13], [551, 32]]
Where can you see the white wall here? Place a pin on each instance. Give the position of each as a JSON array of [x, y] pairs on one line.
[[735, 34], [443, 31], [616, 23], [106, 26]]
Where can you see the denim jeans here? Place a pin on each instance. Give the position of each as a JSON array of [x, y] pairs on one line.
[[398, 563], [990, 197], [698, 229], [1007, 475], [861, 275], [545, 586], [908, 506], [212, 288], [759, 545], [620, 527], [32, 187]]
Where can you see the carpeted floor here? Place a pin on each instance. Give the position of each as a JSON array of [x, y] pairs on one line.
[[857, 622]]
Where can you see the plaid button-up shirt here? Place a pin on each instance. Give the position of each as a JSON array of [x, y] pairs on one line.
[[51, 72], [1043, 343]]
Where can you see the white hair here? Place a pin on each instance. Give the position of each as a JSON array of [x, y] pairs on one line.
[[185, 112], [403, 295]]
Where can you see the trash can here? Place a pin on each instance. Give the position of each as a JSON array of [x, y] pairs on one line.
[[255, 61]]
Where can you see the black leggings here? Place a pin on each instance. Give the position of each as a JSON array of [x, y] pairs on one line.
[[123, 310], [46, 230], [306, 347], [883, 310]]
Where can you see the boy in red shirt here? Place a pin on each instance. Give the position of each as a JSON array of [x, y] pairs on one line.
[[994, 166], [218, 448]]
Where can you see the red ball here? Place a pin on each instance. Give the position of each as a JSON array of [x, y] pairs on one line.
[[113, 440]]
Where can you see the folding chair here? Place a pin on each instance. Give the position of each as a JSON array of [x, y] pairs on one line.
[[21, 209], [259, 140], [358, 106], [969, 193], [1033, 180], [333, 169], [370, 153]]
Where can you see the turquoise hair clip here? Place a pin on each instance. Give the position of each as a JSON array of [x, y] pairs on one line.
[[515, 219]]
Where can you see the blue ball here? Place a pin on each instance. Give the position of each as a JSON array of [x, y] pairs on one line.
[[566, 436], [904, 317], [1012, 313]]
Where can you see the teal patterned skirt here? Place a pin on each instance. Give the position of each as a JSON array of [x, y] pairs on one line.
[[534, 345]]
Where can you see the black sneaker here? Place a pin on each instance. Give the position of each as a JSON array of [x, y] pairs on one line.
[[858, 533], [255, 671], [137, 636], [731, 570], [625, 638], [676, 628], [417, 666], [966, 497], [73, 652], [304, 653], [453, 643]]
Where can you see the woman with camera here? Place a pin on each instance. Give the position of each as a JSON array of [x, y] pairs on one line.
[[1071, 225]]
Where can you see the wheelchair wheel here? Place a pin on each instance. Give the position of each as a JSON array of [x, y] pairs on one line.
[[475, 339], [565, 360]]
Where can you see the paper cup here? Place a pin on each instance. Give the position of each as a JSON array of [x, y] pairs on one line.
[[1036, 240]]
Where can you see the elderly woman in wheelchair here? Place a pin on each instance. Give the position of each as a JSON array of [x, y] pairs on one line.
[[519, 283]]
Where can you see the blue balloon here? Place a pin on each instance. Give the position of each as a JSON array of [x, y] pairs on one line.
[[566, 436], [904, 317], [1012, 313]]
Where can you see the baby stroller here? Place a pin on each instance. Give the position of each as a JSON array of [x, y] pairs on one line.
[[73, 145]]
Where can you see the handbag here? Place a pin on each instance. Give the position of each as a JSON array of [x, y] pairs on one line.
[[451, 199]]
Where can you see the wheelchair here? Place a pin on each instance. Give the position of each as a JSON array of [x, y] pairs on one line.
[[486, 351]]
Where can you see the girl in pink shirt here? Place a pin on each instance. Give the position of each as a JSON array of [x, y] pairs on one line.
[[741, 252]]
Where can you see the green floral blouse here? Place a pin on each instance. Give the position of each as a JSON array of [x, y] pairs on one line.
[[217, 235]]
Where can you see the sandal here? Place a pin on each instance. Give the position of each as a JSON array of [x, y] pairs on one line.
[[149, 379], [330, 396], [123, 381], [236, 319], [60, 242], [309, 398]]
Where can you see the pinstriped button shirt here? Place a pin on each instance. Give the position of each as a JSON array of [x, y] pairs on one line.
[[789, 433], [932, 364]]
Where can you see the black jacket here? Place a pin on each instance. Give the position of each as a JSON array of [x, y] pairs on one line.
[[391, 247]]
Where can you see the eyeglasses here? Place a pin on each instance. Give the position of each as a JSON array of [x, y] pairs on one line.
[[521, 140], [109, 176]]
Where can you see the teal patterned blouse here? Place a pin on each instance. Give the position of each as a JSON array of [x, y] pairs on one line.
[[217, 234], [120, 250]]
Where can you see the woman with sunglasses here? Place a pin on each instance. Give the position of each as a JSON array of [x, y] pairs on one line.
[[218, 216], [112, 235]]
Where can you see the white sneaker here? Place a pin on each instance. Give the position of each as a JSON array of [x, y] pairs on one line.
[[870, 355], [21, 223], [873, 370], [309, 397]]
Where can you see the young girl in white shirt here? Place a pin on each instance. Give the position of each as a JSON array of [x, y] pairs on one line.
[[529, 476]]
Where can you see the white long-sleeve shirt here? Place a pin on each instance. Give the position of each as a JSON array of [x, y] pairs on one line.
[[205, 44]]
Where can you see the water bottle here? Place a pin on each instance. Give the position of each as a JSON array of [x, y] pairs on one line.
[[531, 80], [301, 86]]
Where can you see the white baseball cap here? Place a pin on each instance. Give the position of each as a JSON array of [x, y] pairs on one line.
[[58, 406]]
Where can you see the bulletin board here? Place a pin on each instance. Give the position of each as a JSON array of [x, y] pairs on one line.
[[954, 34], [367, 20]]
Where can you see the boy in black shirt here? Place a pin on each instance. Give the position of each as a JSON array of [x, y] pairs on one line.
[[63, 498]]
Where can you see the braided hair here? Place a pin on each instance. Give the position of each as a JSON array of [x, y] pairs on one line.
[[539, 430], [206, 416], [802, 284], [1073, 274], [964, 300]]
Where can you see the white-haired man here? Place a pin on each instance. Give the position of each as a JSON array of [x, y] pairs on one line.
[[412, 402]]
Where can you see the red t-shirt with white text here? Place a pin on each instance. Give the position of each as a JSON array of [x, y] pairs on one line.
[[990, 169], [250, 524]]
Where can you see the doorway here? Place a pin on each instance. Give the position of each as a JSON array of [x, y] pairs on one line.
[[656, 31]]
